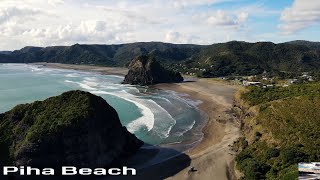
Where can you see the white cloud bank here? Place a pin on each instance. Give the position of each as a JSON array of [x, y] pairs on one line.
[[221, 18], [302, 14], [55, 2], [66, 22]]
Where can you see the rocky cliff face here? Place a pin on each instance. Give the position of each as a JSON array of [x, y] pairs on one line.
[[145, 70], [75, 128]]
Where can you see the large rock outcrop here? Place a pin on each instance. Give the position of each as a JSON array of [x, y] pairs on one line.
[[145, 70], [76, 128]]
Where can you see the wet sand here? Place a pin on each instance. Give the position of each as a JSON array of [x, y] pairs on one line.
[[212, 156]]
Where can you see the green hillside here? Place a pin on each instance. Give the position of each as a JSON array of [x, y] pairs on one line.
[[242, 58], [75, 128], [223, 59], [107, 55], [281, 128]]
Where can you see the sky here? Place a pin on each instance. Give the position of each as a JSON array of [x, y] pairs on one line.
[[66, 22]]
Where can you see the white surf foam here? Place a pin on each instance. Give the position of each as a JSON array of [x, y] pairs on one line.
[[82, 85], [94, 79], [154, 117], [90, 83], [113, 86], [165, 99], [146, 120], [186, 129], [72, 75], [183, 98], [163, 122]]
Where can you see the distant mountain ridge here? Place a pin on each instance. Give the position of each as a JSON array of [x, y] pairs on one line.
[[306, 43], [242, 58], [5, 52], [231, 58], [108, 55]]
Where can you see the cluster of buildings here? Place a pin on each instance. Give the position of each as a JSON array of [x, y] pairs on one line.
[[190, 71], [264, 81], [303, 78]]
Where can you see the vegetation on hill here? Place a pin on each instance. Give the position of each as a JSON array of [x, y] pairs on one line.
[[76, 128], [242, 58], [145, 70], [223, 59], [5, 52], [313, 45], [107, 55], [281, 128]]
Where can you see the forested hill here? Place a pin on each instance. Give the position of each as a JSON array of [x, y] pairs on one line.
[[108, 55], [241, 58], [5, 52], [231, 58], [313, 45]]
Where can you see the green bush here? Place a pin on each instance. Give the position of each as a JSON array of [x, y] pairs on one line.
[[272, 152], [292, 155]]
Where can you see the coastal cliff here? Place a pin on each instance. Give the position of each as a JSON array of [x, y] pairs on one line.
[[145, 70], [76, 128]]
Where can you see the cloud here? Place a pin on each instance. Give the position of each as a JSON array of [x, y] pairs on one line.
[[300, 15], [66, 22], [130, 16], [55, 2], [180, 4], [222, 18], [242, 17], [10, 13], [176, 37], [93, 32]]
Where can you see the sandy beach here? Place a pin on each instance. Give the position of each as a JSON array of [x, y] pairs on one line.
[[212, 158]]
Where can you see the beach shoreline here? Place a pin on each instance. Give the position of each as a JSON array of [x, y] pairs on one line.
[[212, 156]]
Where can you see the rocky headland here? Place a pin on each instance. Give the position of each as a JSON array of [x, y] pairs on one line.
[[145, 70], [76, 128]]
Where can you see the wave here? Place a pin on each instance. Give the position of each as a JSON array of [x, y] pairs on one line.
[[163, 98], [164, 121], [89, 83], [82, 85], [147, 119], [91, 79], [186, 129], [183, 98], [154, 117], [109, 87], [116, 76], [72, 75], [16, 66]]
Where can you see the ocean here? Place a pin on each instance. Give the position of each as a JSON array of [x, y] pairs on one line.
[[158, 117]]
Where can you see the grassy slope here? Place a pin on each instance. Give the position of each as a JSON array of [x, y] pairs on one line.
[[283, 131]]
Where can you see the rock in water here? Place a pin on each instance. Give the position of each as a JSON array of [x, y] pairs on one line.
[[76, 128], [145, 70]]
